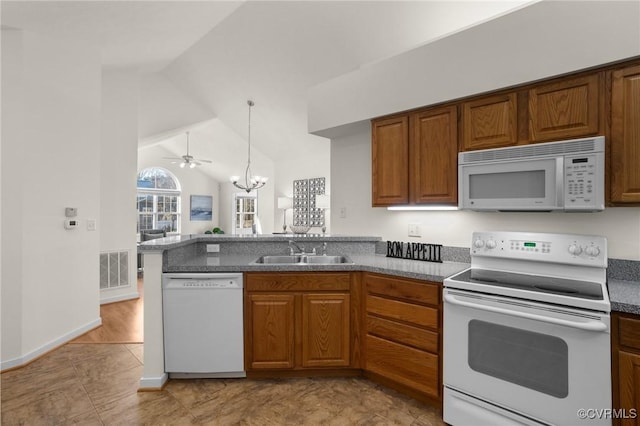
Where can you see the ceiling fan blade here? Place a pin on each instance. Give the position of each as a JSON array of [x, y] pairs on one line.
[[204, 161], [172, 158]]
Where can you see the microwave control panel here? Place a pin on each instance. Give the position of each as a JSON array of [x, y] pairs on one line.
[[581, 188]]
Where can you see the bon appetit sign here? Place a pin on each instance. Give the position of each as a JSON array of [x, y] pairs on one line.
[[415, 251]]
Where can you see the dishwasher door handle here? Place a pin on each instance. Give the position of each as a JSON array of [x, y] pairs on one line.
[[596, 326]]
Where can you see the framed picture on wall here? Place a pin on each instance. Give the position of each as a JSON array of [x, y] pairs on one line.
[[201, 207]]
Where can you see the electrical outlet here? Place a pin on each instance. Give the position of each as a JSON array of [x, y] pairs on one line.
[[213, 248], [414, 230], [91, 225], [343, 212]]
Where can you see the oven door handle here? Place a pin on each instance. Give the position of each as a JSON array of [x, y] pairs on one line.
[[588, 326]]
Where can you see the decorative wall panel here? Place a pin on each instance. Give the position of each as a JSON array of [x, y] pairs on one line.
[[305, 212]]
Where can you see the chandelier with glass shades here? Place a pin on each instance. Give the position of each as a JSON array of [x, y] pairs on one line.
[[250, 182]]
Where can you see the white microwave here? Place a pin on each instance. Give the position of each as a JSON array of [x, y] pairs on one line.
[[556, 176]]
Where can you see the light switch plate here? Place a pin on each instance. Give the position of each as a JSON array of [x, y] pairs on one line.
[[213, 248], [414, 230], [91, 225]]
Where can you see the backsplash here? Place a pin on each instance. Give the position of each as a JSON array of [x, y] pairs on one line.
[[619, 269]]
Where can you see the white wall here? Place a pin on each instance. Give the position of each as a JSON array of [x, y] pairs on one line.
[[164, 108], [118, 160], [351, 177], [51, 145], [541, 40], [192, 182], [315, 165]]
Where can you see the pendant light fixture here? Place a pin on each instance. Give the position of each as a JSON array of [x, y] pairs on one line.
[[250, 182]]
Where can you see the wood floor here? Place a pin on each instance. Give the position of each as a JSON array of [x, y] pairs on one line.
[[97, 384], [122, 322]]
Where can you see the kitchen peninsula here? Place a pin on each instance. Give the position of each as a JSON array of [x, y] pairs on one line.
[[220, 253]]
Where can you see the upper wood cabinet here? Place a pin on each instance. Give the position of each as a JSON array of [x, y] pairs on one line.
[[570, 108], [490, 122], [415, 158], [390, 158], [433, 154], [625, 135]]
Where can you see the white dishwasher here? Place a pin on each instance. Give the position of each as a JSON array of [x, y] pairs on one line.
[[203, 332]]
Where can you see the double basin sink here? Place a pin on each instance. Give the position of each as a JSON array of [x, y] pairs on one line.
[[303, 259]]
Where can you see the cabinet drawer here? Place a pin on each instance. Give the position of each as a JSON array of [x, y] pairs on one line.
[[629, 332], [403, 289], [408, 312], [298, 281], [403, 333], [402, 364]]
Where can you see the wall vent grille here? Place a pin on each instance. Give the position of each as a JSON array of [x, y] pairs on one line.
[[535, 150], [114, 269]]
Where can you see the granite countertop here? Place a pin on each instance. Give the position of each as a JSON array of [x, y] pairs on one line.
[[625, 296], [429, 271]]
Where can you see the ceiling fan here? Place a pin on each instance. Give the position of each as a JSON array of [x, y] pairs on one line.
[[187, 160]]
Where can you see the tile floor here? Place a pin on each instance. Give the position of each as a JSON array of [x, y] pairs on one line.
[[96, 384]]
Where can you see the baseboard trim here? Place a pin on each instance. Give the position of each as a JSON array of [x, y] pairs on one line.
[[151, 384], [48, 347], [120, 298]]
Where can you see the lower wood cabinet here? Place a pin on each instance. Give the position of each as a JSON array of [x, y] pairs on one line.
[[297, 321], [625, 361], [403, 324]]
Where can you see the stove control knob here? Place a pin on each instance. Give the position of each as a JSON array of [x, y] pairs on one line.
[[592, 251], [478, 243], [491, 244], [575, 249]]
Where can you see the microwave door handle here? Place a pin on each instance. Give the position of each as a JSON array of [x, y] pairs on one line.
[[588, 326], [560, 181]]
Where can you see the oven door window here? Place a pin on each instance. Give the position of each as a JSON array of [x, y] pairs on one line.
[[534, 360]]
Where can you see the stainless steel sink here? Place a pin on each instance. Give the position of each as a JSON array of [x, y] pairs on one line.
[[327, 260], [278, 259], [303, 260]]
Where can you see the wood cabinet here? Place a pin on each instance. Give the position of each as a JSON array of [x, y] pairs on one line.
[[433, 171], [625, 135], [490, 122], [565, 109], [297, 321], [272, 330], [403, 323], [390, 161], [414, 158], [625, 362]]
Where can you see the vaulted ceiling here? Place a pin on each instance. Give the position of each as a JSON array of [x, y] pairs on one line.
[[218, 54]]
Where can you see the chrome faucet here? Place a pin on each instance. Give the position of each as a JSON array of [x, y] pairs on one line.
[[293, 244]]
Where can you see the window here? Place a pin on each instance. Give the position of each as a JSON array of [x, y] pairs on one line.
[[244, 214], [158, 200]]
